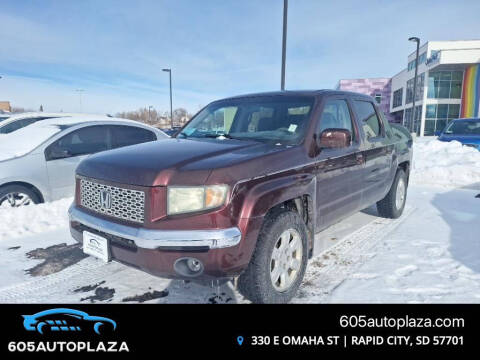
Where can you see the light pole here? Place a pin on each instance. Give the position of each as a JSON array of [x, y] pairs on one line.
[[417, 40], [149, 120], [171, 108], [284, 43], [80, 93]]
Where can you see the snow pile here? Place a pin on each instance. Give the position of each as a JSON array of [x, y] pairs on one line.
[[36, 219], [445, 164]]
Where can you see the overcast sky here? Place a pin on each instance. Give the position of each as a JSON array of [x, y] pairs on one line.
[[114, 50]]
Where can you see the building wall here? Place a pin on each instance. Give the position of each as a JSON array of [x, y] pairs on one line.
[[5, 106], [471, 92], [442, 56], [371, 87]]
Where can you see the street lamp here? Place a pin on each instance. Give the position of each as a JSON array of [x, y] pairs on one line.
[[284, 43], [149, 120], [417, 40], [80, 93], [171, 109]]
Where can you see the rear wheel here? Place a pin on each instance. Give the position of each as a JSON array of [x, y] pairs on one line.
[[278, 264], [12, 196], [392, 205]]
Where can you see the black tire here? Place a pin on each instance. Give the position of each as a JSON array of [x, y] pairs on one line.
[[18, 189], [256, 283], [387, 207]]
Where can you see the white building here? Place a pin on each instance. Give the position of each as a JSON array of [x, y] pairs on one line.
[[448, 85]]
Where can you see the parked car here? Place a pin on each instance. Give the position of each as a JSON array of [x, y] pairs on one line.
[[4, 115], [243, 188], [18, 121], [466, 131], [37, 163]]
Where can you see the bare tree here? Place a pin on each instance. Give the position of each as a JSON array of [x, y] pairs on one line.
[[152, 117], [18, 109], [180, 116], [156, 118]]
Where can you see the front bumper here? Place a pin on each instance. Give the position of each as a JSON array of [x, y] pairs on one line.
[[160, 239], [221, 252]]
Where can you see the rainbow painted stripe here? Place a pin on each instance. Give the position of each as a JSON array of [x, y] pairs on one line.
[[471, 92]]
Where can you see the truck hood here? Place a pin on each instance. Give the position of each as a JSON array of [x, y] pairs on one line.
[[179, 161]]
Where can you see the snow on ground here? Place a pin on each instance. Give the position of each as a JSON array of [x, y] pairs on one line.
[[446, 164], [430, 254], [29, 220]]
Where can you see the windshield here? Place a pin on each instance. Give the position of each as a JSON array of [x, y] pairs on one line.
[[465, 127], [281, 119]]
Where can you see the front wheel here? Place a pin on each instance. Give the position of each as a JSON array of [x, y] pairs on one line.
[[278, 264], [392, 205], [12, 196]]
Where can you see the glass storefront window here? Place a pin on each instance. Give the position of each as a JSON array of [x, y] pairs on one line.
[[456, 89], [442, 110], [457, 75], [431, 112], [445, 85], [438, 116], [440, 125], [446, 75], [419, 89], [429, 127], [454, 111]]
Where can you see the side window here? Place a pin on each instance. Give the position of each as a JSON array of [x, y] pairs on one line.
[[130, 135], [87, 140], [368, 118], [335, 115]]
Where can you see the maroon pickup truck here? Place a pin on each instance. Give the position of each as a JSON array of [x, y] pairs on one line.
[[243, 188]]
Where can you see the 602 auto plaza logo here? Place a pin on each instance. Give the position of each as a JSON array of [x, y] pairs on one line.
[[68, 323]]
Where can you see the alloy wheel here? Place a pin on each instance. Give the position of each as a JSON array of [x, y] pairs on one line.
[[286, 260]]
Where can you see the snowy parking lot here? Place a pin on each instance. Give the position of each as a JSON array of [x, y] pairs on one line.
[[430, 254]]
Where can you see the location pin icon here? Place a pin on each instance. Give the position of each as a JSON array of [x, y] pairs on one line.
[[240, 340]]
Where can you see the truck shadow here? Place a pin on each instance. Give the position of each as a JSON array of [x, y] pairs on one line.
[[461, 212], [191, 292]]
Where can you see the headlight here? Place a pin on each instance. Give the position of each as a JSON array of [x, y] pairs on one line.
[[183, 199]]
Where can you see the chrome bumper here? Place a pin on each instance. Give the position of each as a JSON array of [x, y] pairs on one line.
[[153, 239]]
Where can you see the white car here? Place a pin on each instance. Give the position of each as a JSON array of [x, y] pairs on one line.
[[18, 121], [38, 162]]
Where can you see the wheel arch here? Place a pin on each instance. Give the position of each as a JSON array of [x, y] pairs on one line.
[[28, 186]]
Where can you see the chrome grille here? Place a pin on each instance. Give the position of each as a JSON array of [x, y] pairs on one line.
[[126, 204]]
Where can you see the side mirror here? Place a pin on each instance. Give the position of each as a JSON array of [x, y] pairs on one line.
[[58, 153], [437, 133], [334, 138]]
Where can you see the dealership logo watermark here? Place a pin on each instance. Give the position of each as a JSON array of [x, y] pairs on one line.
[[54, 322], [62, 319]]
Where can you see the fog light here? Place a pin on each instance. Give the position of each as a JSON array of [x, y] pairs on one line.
[[194, 265], [188, 267]]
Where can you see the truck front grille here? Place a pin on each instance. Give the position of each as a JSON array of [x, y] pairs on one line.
[[121, 203]]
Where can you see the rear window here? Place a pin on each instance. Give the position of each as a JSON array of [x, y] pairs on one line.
[[18, 124], [130, 135]]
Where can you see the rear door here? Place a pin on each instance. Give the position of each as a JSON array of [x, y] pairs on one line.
[[63, 156], [339, 172], [377, 151]]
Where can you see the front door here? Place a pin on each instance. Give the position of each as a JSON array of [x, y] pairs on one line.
[[64, 155], [339, 172]]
